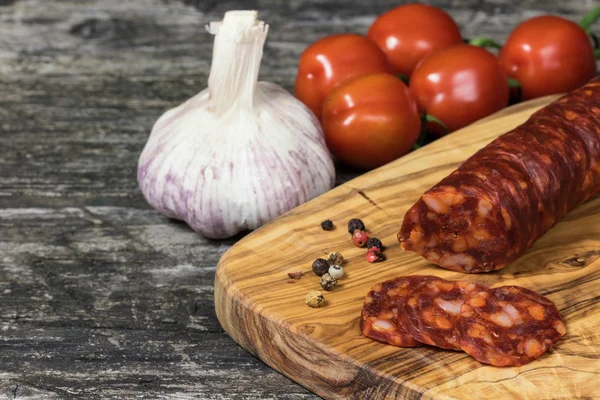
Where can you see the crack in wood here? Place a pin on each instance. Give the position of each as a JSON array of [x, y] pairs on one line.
[[362, 193]]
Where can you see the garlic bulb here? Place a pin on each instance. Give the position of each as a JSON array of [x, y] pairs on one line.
[[239, 153]]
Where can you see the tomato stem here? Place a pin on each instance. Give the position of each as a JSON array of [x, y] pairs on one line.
[[423, 135], [485, 42], [403, 78], [595, 40], [421, 140], [513, 83], [597, 54], [431, 118], [425, 118], [589, 19]]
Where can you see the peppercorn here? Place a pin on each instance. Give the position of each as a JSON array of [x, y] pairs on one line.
[[375, 255], [336, 271], [360, 238], [320, 266], [328, 282], [335, 258], [374, 242], [327, 225], [314, 299], [355, 224]]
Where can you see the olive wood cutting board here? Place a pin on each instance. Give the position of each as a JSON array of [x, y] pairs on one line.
[[323, 348]]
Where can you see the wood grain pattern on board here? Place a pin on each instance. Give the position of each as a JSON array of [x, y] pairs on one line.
[[323, 348]]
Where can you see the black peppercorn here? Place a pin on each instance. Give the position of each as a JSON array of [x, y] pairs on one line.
[[355, 224], [327, 225], [335, 258], [374, 242], [320, 266]]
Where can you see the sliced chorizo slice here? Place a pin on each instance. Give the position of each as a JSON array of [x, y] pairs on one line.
[[508, 326], [379, 318], [430, 312], [491, 209]]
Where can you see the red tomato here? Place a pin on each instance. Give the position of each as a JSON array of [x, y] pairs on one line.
[[370, 120], [460, 85], [548, 55], [410, 32], [331, 60]]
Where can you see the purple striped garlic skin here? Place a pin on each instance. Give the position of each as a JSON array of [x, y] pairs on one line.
[[222, 176]]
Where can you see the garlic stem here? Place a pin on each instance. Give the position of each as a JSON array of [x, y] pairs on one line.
[[237, 53]]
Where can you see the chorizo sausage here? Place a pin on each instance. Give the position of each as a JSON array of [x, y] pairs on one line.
[[508, 326], [379, 319], [430, 312], [493, 208]]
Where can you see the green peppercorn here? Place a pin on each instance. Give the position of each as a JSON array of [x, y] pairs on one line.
[[335, 258], [328, 282]]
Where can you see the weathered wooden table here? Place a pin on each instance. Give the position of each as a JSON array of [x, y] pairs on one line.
[[101, 297]]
